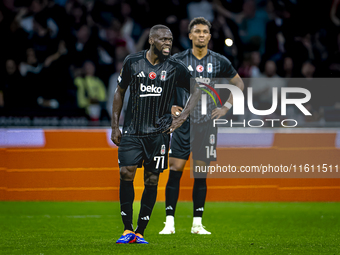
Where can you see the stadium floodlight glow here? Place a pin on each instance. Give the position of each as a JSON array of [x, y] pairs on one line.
[[229, 42]]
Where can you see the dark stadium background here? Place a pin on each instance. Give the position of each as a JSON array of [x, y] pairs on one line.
[[45, 44]]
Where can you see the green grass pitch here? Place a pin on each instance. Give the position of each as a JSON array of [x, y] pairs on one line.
[[237, 228]]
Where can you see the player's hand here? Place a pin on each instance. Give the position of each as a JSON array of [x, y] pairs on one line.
[[219, 112], [176, 110], [176, 123], [116, 136]]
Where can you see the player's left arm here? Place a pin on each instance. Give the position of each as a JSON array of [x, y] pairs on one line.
[[219, 112], [191, 103], [176, 110], [183, 80]]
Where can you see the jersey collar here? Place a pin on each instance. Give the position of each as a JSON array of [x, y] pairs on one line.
[[208, 53], [148, 62]]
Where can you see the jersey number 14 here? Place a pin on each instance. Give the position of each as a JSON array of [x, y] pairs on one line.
[[210, 151]]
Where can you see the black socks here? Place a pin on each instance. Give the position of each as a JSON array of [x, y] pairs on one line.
[[148, 201], [198, 196], [172, 192], [126, 197]]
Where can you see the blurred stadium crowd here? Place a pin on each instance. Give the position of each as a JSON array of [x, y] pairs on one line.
[[63, 57]]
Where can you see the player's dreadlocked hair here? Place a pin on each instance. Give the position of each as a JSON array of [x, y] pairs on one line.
[[155, 28], [197, 21]]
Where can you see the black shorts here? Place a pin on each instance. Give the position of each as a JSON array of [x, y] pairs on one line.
[[151, 151], [180, 142], [203, 140], [198, 138]]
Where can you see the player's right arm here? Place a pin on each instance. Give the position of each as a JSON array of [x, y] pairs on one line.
[[117, 106], [176, 109], [118, 100]]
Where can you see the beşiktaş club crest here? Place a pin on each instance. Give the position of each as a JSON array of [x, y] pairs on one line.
[[199, 68], [212, 139], [152, 75], [163, 149], [163, 75], [210, 68]]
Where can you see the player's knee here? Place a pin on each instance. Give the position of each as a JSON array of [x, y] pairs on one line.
[[126, 174], [176, 168], [151, 179], [177, 164]]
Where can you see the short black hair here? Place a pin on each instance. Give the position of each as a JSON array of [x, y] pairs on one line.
[[155, 28], [197, 21]]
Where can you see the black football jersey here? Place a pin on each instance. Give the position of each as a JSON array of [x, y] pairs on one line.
[[212, 66], [151, 93]]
